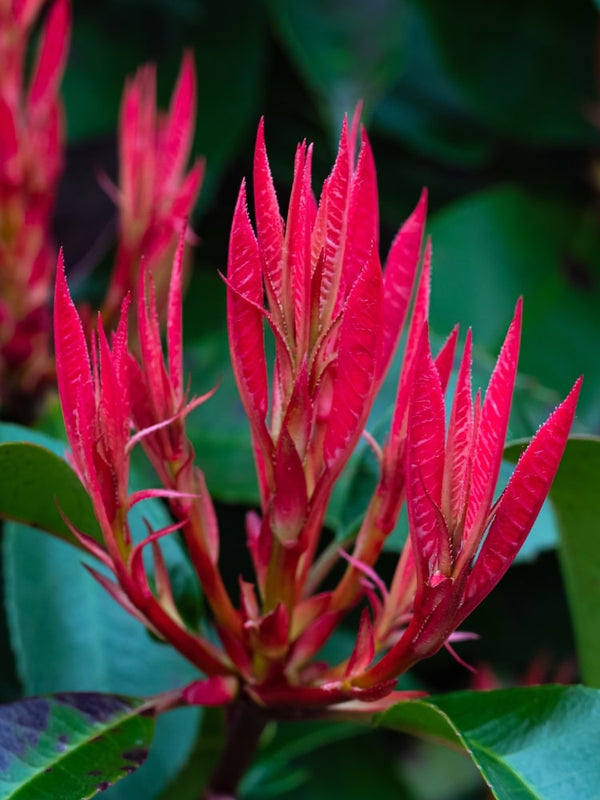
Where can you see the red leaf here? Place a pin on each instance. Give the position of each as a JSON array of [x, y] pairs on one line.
[[289, 501], [269, 225], [425, 468], [357, 358], [489, 444], [296, 272], [399, 278], [174, 324], [458, 446], [334, 204], [51, 56], [244, 319], [73, 373], [176, 134], [419, 316], [445, 358], [363, 218], [364, 648], [521, 502]]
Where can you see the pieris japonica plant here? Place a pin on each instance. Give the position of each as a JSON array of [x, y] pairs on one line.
[[315, 284], [316, 323]]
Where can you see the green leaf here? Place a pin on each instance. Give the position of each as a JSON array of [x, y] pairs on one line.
[[534, 743], [425, 108], [503, 55], [70, 746], [35, 483], [89, 643], [344, 54], [575, 497]]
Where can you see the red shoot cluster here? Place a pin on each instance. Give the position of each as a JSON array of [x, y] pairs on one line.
[[154, 195], [31, 155], [314, 284]]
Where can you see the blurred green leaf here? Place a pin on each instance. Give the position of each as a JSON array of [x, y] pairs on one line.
[[535, 742], [102, 54], [526, 69], [576, 501], [70, 746], [344, 52], [229, 43], [424, 107]]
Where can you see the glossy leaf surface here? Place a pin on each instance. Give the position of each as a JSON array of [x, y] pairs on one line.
[[528, 743], [575, 499], [70, 746]]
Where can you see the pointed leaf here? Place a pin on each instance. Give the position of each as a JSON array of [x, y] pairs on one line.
[[70, 746], [458, 446], [363, 214], [51, 55], [179, 126], [419, 316], [290, 502], [73, 373], [492, 428], [425, 468], [175, 324], [399, 278], [334, 203], [521, 501], [359, 342], [269, 225], [244, 320]]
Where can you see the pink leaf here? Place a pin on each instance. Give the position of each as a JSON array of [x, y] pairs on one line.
[[51, 56], [73, 372], [269, 225], [358, 353], [445, 358], [363, 218], [521, 502], [425, 468], [290, 501], [215, 691], [179, 126], [364, 648], [174, 324], [419, 316], [156, 377], [399, 278], [334, 205], [492, 429], [296, 266], [244, 319], [458, 447]]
